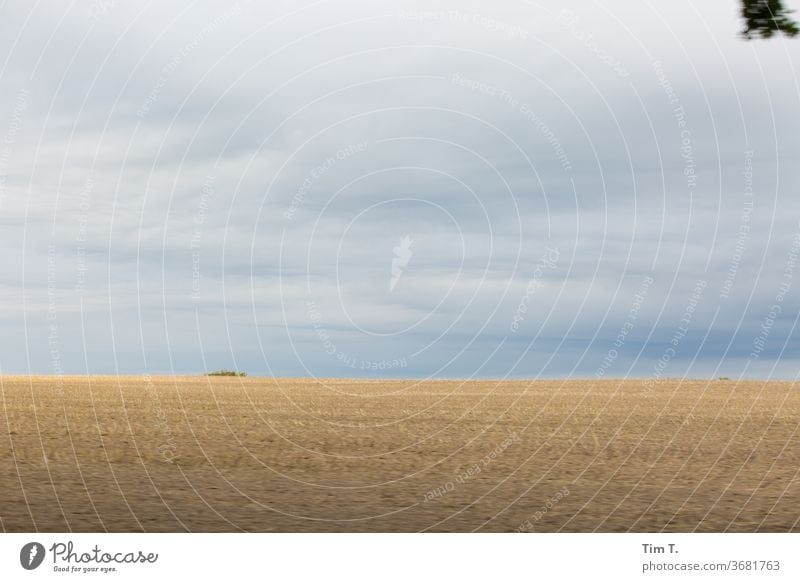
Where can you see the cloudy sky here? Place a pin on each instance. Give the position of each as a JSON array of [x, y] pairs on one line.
[[384, 189]]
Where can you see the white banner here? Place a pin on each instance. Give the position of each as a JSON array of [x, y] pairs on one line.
[[399, 557]]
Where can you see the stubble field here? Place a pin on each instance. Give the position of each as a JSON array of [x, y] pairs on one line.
[[229, 454]]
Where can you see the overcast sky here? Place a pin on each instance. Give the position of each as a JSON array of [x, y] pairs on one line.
[[416, 189]]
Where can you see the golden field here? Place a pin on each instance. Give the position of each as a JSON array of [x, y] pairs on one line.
[[231, 454]]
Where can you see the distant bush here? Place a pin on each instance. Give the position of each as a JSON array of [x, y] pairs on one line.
[[724, 378], [227, 373]]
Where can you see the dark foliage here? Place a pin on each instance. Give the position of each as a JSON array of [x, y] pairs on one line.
[[764, 18]]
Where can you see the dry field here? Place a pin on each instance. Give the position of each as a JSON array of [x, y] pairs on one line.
[[229, 454]]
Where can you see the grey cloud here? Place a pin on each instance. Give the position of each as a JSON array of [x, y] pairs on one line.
[[165, 152]]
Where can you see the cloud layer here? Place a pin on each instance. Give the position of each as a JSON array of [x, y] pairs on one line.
[[374, 189]]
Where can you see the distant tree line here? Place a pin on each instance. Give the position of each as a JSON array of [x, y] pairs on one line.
[[227, 373]]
